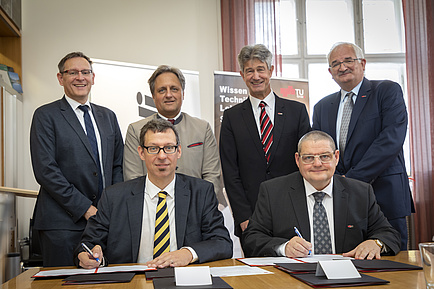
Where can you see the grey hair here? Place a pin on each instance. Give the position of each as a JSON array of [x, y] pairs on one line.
[[258, 51], [357, 50]]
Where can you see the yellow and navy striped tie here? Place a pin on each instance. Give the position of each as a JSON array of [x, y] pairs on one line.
[[162, 234]]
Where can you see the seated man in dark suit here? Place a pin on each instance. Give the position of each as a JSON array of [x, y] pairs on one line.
[[334, 214], [180, 210]]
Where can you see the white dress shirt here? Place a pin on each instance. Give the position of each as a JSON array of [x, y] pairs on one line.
[[146, 249], [270, 100], [327, 202], [80, 115], [355, 90]]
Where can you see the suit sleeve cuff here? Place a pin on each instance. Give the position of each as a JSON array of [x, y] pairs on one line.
[[193, 253]]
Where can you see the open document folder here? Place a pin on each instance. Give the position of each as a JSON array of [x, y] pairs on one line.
[[70, 272]]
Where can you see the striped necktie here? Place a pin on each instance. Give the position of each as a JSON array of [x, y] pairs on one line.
[[162, 234], [266, 131]]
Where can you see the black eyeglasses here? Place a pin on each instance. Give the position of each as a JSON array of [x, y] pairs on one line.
[[74, 72], [346, 62], [154, 150]]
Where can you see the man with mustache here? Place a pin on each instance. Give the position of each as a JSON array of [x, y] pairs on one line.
[[368, 121]]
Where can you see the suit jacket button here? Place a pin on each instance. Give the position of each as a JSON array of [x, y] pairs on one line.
[[95, 174], [93, 197]]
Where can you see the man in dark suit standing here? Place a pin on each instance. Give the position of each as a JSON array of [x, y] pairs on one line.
[[368, 121], [334, 214], [258, 137], [77, 149], [127, 225]]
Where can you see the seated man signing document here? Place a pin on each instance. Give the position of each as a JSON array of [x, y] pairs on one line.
[[162, 219], [334, 214]]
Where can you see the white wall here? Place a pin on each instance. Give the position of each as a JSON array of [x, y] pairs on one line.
[[185, 34]]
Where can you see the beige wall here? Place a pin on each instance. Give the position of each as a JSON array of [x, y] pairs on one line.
[[184, 33]]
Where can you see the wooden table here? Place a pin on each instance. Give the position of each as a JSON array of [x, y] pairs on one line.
[[399, 279]]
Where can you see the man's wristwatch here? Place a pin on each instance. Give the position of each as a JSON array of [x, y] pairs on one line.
[[379, 244]]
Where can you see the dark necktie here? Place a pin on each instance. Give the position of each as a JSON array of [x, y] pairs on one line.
[[172, 120], [321, 231], [346, 117], [90, 131], [162, 232], [266, 131]]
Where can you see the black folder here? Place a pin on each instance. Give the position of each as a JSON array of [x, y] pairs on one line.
[[316, 281], [382, 265], [160, 273], [101, 278], [169, 283]]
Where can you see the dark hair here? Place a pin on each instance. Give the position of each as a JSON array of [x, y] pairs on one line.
[[163, 69], [316, 135], [157, 125], [61, 64]]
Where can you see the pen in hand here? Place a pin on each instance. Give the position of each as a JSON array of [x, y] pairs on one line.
[[89, 251], [299, 234]]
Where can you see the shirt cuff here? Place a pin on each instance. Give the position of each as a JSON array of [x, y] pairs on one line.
[[193, 253], [281, 249]]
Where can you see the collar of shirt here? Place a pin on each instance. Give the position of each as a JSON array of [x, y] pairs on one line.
[[310, 189], [355, 90], [270, 100], [75, 104], [152, 190], [175, 118]]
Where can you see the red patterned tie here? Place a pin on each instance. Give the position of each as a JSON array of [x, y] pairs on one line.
[[266, 131], [171, 120]]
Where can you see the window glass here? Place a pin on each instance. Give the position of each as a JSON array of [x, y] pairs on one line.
[[328, 22], [290, 70], [383, 26], [288, 22], [321, 83]]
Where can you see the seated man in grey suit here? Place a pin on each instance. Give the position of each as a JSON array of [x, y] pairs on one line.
[[131, 212], [334, 214]]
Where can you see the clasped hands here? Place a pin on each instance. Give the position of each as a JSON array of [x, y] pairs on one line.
[[298, 247], [176, 258]]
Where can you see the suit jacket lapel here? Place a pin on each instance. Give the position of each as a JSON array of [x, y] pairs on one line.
[[250, 123], [278, 126], [333, 113], [182, 207], [97, 114], [73, 121], [297, 193], [135, 215], [340, 209], [361, 100]]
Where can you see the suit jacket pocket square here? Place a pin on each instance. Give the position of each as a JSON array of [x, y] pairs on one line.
[[195, 144]]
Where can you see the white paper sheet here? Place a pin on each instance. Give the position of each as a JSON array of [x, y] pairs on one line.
[[229, 271]]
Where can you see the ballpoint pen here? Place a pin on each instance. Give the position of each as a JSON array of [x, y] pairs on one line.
[[89, 251], [299, 234]]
